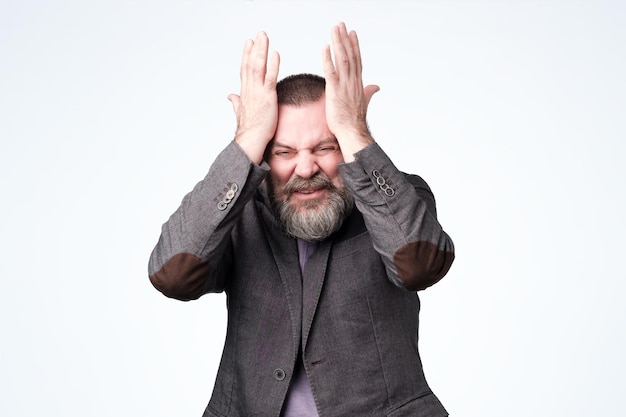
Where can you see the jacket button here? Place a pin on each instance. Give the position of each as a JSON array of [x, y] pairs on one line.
[[279, 374]]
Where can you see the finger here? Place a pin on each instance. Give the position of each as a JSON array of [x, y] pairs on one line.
[[235, 100], [247, 47], [369, 91], [347, 44], [259, 57], [342, 63], [356, 51], [330, 73], [272, 70]]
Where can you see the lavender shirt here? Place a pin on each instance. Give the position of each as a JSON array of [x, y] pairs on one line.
[[299, 401]]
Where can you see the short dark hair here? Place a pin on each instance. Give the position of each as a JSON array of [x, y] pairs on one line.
[[299, 89]]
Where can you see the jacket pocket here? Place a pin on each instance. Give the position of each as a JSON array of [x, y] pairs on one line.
[[425, 406]]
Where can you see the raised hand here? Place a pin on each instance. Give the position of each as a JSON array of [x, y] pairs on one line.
[[256, 106], [346, 99]]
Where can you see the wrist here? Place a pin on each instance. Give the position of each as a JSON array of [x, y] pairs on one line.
[[352, 142], [252, 145]]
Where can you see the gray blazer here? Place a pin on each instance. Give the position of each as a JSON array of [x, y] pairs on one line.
[[352, 316]]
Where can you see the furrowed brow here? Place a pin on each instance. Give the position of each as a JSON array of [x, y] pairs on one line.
[[275, 144], [328, 140], [332, 140]]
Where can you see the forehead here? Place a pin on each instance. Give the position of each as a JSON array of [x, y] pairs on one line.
[[303, 126]]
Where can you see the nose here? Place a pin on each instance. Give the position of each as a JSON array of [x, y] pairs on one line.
[[306, 165]]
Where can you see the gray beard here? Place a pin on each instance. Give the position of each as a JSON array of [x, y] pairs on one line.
[[312, 220]]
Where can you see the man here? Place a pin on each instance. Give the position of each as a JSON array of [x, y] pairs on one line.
[[319, 243]]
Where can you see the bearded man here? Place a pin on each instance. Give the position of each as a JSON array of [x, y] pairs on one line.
[[320, 245]]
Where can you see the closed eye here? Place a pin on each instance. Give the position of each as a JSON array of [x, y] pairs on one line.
[[326, 150], [284, 153]]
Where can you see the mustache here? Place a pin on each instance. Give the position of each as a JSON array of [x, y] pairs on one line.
[[316, 182]]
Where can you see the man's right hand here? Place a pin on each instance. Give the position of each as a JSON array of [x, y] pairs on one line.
[[256, 106]]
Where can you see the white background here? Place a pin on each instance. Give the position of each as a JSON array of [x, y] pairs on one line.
[[513, 111]]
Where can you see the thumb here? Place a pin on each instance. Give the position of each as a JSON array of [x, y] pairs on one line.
[[235, 100], [369, 91]]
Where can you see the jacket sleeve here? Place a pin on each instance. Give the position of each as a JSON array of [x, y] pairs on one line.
[[194, 250], [400, 215]]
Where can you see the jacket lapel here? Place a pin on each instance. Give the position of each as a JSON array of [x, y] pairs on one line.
[[313, 282]]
